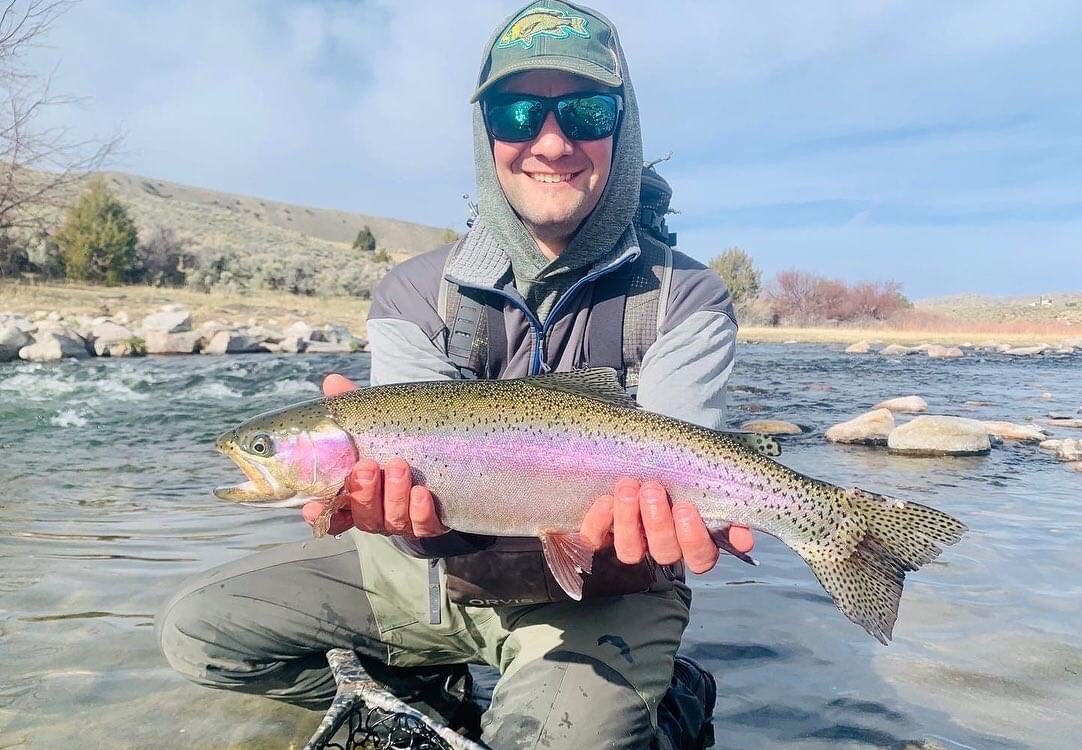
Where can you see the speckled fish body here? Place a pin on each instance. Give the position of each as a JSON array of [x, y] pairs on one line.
[[527, 457]]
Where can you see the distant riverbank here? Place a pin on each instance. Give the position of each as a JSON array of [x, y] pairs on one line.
[[280, 308]]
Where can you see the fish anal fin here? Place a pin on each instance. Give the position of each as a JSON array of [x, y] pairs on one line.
[[598, 383], [567, 557]]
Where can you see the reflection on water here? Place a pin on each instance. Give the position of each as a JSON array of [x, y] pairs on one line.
[[108, 464]]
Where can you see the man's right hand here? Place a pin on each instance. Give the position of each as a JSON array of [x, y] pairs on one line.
[[380, 500]]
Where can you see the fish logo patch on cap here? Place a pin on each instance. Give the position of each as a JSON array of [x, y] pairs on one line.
[[557, 24]]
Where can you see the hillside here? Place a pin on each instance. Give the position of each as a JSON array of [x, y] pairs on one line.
[[228, 221], [1063, 308]]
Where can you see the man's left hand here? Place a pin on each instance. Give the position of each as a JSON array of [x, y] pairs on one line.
[[639, 519]]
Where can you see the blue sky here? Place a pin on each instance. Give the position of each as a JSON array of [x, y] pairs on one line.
[[936, 144]]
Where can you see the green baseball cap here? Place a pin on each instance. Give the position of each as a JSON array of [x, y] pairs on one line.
[[553, 35]]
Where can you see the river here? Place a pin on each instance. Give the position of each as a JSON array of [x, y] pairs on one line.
[[106, 508]]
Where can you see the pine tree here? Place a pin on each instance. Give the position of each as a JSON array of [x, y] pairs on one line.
[[738, 271], [97, 242], [365, 240]]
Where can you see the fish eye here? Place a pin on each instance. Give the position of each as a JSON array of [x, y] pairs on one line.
[[261, 445]]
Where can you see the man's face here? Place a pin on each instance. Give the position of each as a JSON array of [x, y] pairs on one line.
[[552, 182]]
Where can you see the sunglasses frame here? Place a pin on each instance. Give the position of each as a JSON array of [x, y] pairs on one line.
[[549, 103]]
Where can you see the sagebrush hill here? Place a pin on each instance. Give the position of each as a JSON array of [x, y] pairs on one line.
[[230, 221]]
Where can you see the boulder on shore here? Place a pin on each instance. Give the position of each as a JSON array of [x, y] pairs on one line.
[[870, 428], [53, 346], [12, 339], [771, 427], [160, 342], [174, 321], [904, 404], [940, 436], [231, 342]]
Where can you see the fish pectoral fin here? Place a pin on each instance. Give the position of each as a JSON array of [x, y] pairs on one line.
[[721, 538], [567, 557]]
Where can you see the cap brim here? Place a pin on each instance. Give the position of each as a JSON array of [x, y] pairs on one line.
[[572, 65]]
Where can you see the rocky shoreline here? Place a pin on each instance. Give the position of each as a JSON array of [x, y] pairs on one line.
[[938, 351], [50, 336], [929, 435]]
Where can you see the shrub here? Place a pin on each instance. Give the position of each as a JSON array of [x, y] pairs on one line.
[[365, 240], [449, 236], [97, 242], [738, 271], [802, 298], [163, 259]]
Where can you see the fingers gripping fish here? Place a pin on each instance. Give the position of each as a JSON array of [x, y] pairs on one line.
[[526, 457]]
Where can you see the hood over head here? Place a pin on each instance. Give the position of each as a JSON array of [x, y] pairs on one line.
[[553, 35]]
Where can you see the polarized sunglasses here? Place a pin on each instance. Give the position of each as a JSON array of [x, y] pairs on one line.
[[585, 116]]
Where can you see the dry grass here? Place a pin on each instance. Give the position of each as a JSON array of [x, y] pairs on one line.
[[959, 334], [137, 301]]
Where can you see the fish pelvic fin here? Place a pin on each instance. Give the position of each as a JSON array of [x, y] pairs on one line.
[[568, 558], [889, 538]]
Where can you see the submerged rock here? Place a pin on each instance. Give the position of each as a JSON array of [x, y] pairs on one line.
[[935, 351], [1024, 351], [870, 428], [1068, 422], [897, 350], [904, 404], [1024, 433], [326, 347], [771, 427], [1069, 450], [940, 436]]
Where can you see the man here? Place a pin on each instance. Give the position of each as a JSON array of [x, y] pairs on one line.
[[556, 267]]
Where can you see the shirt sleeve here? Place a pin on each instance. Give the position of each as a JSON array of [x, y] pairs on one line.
[[685, 371]]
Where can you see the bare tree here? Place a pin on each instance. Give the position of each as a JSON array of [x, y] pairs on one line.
[[37, 163]]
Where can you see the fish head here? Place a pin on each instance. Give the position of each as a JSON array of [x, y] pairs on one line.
[[290, 457]]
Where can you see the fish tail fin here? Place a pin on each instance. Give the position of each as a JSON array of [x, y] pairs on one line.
[[888, 539]]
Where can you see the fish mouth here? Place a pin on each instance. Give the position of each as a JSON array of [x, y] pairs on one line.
[[261, 489]]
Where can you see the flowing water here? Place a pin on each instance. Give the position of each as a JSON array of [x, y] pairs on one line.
[[107, 466]]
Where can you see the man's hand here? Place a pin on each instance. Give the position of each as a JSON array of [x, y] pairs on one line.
[[639, 519], [379, 501]]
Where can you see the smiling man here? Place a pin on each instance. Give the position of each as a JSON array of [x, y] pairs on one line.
[[564, 267]]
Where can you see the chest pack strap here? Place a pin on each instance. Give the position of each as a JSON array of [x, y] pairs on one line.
[[633, 301]]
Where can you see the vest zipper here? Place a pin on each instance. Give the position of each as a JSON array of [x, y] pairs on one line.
[[540, 332]]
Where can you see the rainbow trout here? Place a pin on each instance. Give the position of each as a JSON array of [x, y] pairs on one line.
[[526, 457]]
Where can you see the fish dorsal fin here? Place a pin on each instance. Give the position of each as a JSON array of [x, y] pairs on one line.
[[596, 382], [767, 445]]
